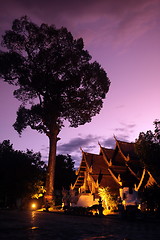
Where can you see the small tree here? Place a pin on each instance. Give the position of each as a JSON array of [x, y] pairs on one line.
[[55, 79], [109, 199]]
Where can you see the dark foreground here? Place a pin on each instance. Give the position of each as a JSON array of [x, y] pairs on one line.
[[34, 225]]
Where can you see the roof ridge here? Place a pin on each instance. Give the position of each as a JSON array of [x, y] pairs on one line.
[[125, 142], [96, 154]]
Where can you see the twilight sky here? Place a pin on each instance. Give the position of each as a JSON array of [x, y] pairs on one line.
[[124, 37]]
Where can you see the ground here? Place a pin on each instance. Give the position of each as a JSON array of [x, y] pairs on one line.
[[33, 225]]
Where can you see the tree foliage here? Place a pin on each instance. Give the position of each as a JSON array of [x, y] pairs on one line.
[[108, 198], [151, 196], [55, 80], [64, 172], [148, 149], [22, 174], [48, 65]]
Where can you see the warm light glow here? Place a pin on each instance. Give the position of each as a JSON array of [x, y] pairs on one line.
[[40, 192], [33, 205], [48, 197], [109, 201]]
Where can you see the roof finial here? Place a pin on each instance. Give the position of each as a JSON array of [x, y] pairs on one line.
[[114, 137], [81, 149]]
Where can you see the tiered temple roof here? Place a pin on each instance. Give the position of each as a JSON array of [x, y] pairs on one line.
[[113, 168]]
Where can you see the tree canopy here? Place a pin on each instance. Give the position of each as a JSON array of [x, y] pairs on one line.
[[64, 172], [22, 174], [55, 80], [48, 64], [148, 149]]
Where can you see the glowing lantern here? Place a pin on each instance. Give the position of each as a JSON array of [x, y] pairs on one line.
[[33, 206]]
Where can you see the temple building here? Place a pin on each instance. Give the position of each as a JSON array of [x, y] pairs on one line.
[[119, 169]]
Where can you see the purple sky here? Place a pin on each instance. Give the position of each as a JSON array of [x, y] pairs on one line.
[[124, 37]]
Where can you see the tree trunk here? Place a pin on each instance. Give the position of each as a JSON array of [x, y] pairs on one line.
[[50, 178]]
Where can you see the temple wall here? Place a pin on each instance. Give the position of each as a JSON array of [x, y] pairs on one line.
[[86, 200]]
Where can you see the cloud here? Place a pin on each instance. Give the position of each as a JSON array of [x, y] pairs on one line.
[[117, 22], [108, 143], [123, 132], [128, 126], [77, 143], [120, 22], [122, 137], [88, 143]]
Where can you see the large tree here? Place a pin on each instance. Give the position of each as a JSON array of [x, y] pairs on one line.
[[55, 81]]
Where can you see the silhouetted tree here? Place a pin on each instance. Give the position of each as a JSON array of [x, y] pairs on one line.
[[151, 196], [148, 149], [64, 176], [65, 172], [21, 174], [55, 79]]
